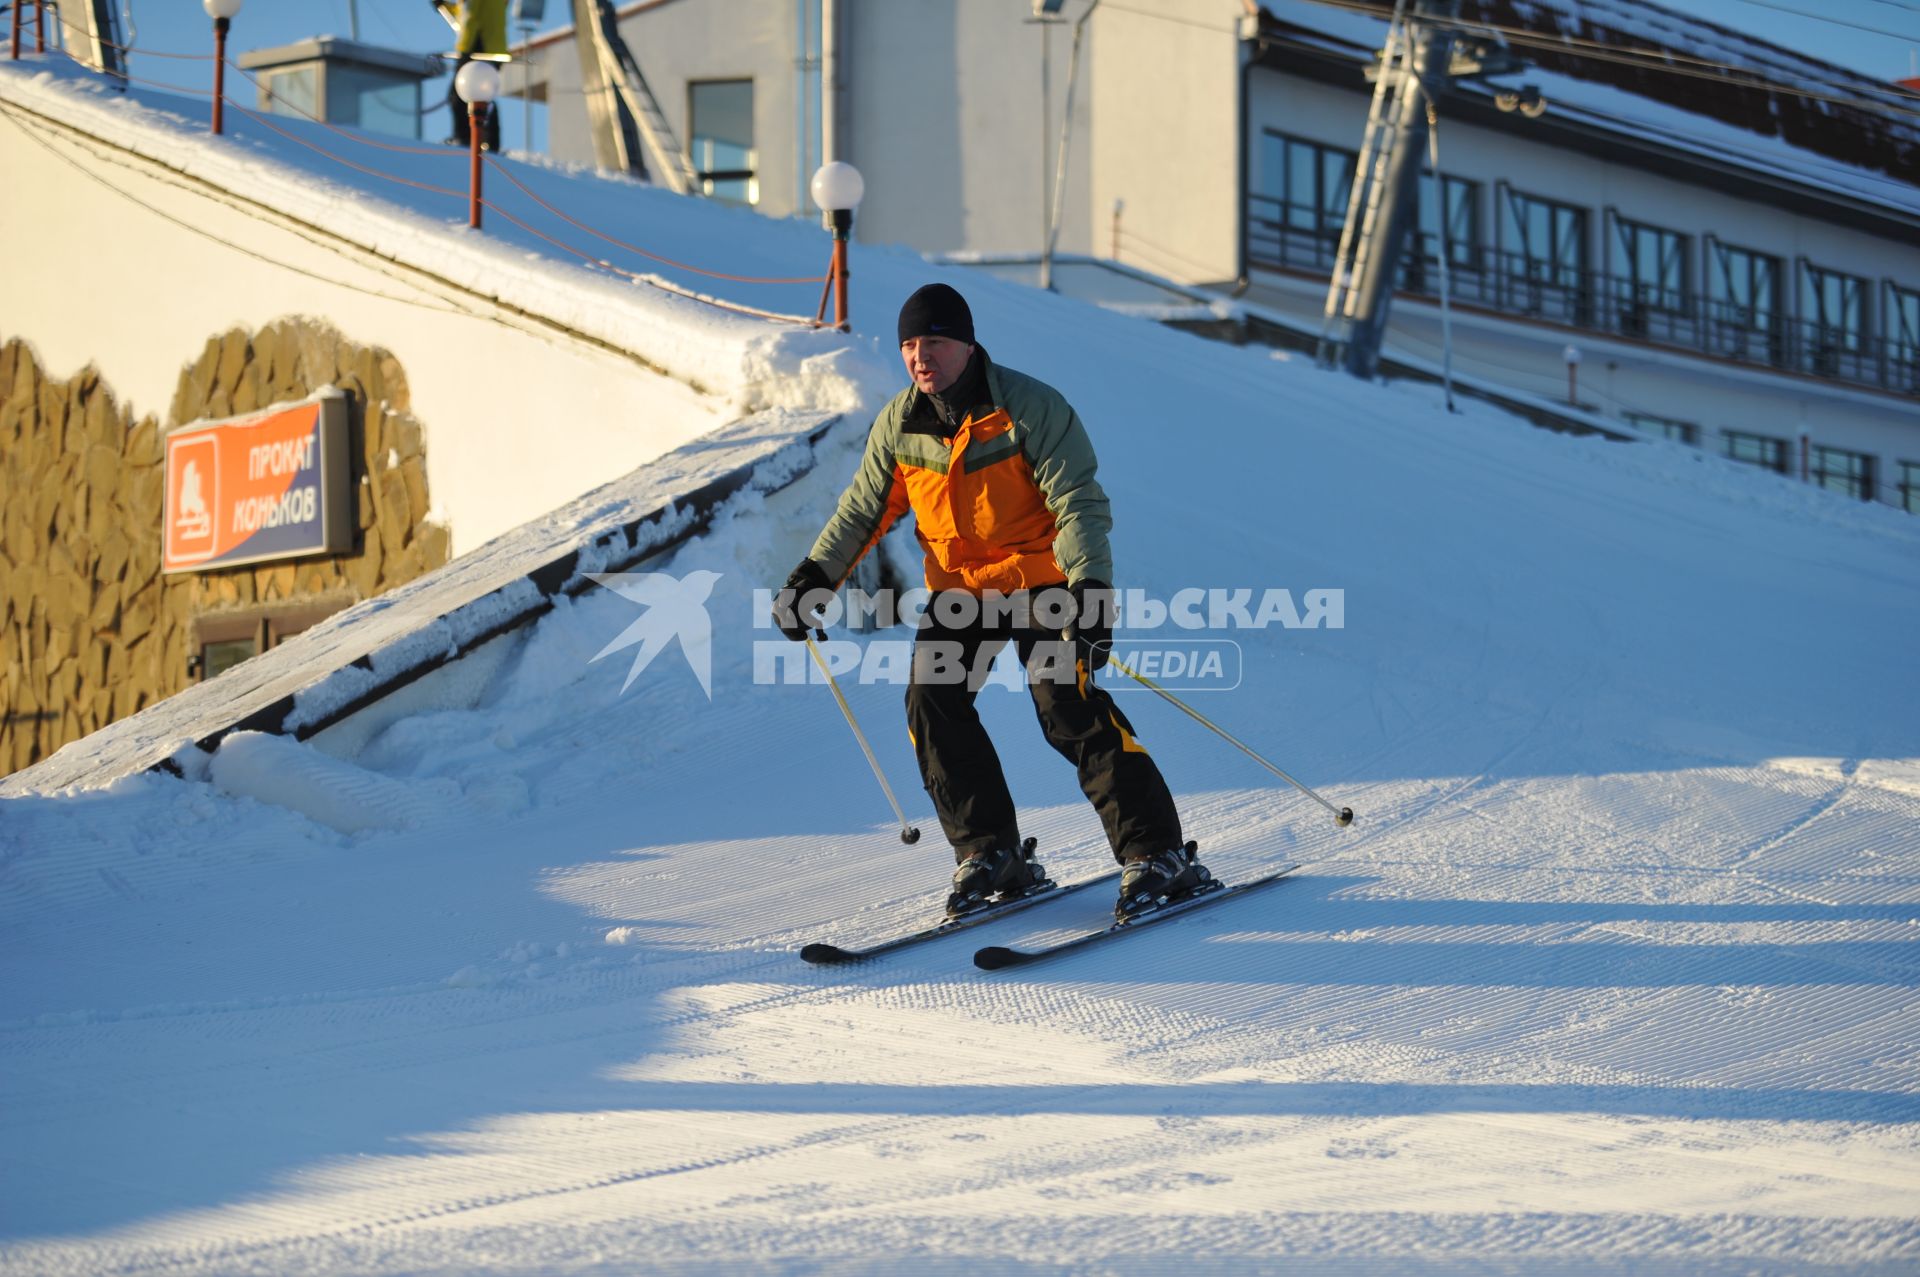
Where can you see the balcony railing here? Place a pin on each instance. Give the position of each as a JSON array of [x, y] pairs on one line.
[[1286, 236]]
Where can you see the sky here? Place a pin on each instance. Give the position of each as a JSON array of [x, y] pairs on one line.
[[1880, 38]]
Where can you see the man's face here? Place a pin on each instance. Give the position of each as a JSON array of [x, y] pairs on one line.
[[935, 363]]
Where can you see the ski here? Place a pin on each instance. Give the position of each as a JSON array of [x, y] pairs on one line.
[[994, 957], [821, 953]]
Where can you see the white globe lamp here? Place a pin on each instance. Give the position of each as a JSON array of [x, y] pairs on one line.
[[477, 81], [837, 187]]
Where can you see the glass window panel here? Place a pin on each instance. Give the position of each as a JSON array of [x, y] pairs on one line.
[[721, 139], [295, 93], [1835, 304], [1842, 471], [1757, 450], [217, 658], [1664, 427], [373, 102]]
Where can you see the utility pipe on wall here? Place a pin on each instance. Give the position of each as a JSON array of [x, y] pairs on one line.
[[830, 55]]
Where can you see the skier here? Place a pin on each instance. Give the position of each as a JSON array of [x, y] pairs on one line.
[[999, 473], [480, 28]]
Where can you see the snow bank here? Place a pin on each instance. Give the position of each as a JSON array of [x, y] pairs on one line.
[[282, 772]]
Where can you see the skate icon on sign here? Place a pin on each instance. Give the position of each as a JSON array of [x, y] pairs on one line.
[[193, 522]]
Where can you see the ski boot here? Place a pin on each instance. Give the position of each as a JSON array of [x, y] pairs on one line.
[[1004, 873], [1148, 882]]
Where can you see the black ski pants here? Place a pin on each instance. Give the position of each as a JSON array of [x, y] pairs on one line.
[[962, 772]]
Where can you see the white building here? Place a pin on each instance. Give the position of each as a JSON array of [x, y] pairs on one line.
[[1727, 232]]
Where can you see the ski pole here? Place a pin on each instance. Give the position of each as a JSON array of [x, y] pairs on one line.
[[1342, 816], [908, 834]]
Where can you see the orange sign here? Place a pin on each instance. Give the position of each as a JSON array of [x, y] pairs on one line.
[[271, 486]]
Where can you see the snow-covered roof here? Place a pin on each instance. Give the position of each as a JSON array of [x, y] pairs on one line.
[[1720, 95]]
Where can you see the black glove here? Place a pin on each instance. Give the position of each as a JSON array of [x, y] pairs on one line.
[[797, 608], [1092, 628]]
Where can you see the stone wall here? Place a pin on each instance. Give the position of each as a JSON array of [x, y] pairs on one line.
[[90, 629]]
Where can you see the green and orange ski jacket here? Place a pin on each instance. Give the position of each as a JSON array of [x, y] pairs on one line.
[[1007, 502]]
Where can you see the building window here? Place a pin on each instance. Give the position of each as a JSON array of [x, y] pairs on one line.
[[1311, 184], [1461, 223], [1651, 278], [1833, 318], [1458, 225], [222, 641], [1903, 338], [1841, 471], [720, 132], [1757, 450], [295, 92], [1743, 304], [1664, 427], [1543, 256], [1910, 486]]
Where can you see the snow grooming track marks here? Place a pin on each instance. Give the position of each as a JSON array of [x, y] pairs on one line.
[[1543, 1012]]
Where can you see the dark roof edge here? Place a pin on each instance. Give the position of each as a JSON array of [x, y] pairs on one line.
[[1283, 52]]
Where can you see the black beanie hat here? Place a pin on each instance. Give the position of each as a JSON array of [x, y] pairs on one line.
[[935, 310]]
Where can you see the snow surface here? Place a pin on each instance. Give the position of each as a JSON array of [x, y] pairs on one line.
[[1615, 973]]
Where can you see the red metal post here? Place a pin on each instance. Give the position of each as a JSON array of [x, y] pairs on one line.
[[476, 122], [220, 26], [16, 33], [842, 228], [39, 26]]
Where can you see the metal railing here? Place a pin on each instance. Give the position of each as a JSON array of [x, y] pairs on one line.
[[1300, 237]]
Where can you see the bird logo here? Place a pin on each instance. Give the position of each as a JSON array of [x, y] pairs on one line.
[[676, 607]]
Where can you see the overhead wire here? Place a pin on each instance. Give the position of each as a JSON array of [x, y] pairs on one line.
[[1838, 22], [202, 232], [1651, 59]]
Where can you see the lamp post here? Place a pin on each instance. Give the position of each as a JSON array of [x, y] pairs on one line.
[[39, 26], [1572, 355], [221, 11], [478, 84], [16, 32], [837, 189]]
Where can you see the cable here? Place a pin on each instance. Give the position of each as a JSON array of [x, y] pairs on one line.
[[653, 281], [443, 152], [1818, 17], [631, 248], [448, 153], [1167, 17], [131, 198], [1651, 59], [60, 17], [260, 118], [1658, 58], [1170, 254]]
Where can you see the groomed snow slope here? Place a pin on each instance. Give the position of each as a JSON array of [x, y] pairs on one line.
[[1615, 973]]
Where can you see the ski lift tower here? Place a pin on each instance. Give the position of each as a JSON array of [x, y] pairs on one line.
[[1424, 53]]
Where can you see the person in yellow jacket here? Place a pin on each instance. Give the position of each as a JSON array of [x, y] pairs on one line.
[[480, 29], [999, 473]]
